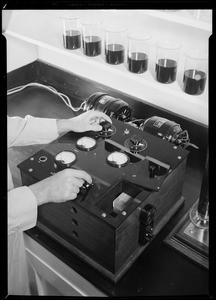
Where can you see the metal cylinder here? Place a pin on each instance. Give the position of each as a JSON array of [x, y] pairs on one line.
[[204, 196], [199, 214]]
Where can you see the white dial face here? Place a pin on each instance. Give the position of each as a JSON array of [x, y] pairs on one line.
[[86, 142], [66, 157], [118, 158]]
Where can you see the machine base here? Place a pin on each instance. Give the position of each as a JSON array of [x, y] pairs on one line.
[[190, 240], [103, 271]]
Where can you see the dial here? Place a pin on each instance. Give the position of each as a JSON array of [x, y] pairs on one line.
[[118, 159], [65, 159], [86, 143]]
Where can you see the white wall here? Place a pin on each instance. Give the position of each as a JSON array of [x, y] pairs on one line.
[[19, 53]]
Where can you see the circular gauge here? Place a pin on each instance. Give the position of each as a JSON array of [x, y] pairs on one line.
[[117, 159], [86, 143], [65, 159]]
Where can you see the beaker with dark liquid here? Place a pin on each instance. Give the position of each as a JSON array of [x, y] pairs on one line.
[[195, 72], [115, 45], [138, 52], [91, 37], [71, 32], [167, 56]]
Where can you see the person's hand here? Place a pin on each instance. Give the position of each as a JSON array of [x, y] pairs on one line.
[[60, 187], [85, 122]]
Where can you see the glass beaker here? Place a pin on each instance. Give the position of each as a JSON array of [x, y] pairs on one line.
[[91, 37], [115, 44], [138, 52], [167, 56], [195, 71], [71, 32]]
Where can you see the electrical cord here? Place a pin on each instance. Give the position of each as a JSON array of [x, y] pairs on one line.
[[64, 97]]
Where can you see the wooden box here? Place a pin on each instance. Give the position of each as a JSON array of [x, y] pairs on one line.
[[112, 223]]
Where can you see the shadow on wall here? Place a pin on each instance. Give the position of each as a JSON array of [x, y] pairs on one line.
[[6, 15]]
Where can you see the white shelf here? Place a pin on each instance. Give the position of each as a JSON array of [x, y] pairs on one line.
[[44, 30]]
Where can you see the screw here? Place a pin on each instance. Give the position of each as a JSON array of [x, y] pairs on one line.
[[30, 170], [179, 157], [103, 215], [73, 210], [175, 147], [31, 158], [124, 213]]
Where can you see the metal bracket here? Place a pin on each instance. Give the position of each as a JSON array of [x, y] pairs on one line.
[[146, 224]]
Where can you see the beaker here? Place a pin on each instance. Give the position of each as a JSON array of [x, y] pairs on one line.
[[115, 44], [91, 37], [195, 71], [138, 52], [167, 55], [71, 32]]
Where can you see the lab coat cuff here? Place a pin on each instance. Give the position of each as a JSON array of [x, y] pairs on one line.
[[22, 209]]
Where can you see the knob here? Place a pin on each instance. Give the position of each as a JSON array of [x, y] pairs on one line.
[[136, 140], [105, 125]]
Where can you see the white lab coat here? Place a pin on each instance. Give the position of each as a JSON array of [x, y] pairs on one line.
[[22, 205]]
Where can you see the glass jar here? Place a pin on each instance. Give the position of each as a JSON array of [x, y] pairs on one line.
[[91, 37], [71, 32], [167, 56], [115, 44], [195, 71], [138, 52]]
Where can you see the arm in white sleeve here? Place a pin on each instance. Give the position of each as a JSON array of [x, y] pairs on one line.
[[31, 130], [22, 204], [22, 209]]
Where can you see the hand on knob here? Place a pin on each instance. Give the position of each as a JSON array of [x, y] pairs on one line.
[[63, 186]]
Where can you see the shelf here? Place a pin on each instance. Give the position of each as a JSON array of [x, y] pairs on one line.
[[43, 29]]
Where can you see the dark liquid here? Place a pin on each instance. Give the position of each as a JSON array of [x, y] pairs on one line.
[[194, 82], [115, 54], [166, 70], [72, 39], [92, 45], [138, 62]]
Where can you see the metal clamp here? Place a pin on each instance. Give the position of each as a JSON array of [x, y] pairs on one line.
[[146, 224]]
